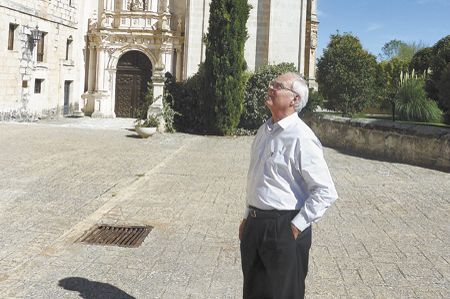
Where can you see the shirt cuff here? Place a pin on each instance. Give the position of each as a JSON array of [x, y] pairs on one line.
[[300, 222], [246, 211]]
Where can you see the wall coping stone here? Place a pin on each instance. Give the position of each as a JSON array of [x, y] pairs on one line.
[[422, 145], [388, 125]]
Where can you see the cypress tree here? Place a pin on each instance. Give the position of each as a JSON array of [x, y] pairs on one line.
[[223, 89]]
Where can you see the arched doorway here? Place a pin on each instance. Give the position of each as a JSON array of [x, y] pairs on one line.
[[134, 71]]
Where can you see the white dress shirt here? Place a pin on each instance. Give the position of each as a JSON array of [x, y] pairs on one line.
[[288, 172]]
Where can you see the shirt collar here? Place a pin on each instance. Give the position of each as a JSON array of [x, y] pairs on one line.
[[288, 120], [282, 123]]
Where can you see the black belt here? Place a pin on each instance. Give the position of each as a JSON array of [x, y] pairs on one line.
[[258, 213]]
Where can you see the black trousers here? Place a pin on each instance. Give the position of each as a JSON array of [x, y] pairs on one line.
[[273, 263]]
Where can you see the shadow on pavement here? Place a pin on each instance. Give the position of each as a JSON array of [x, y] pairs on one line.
[[89, 289]]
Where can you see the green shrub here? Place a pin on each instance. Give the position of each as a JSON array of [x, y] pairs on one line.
[[184, 99], [439, 62], [315, 99], [444, 91], [346, 74], [255, 112], [411, 102]]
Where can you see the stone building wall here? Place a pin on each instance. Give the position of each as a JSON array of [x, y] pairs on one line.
[[276, 29], [101, 31], [20, 71]]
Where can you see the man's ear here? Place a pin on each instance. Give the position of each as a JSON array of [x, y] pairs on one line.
[[295, 100]]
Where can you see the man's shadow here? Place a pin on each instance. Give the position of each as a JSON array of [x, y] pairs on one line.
[[89, 289]]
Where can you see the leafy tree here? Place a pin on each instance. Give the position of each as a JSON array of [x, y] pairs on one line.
[[437, 86], [346, 74], [223, 84], [388, 81], [421, 61], [407, 50], [400, 50], [391, 49], [255, 112], [441, 57]]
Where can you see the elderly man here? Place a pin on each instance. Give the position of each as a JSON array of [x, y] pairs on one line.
[[289, 187]]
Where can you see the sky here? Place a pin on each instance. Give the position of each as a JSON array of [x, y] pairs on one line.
[[375, 22]]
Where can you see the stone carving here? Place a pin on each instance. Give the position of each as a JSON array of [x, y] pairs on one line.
[[92, 23], [313, 36], [135, 5], [110, 51], [179, 24], [164, 23]]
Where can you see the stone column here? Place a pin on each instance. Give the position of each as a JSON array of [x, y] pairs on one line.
[[313, 46], [158, 91], [179, 67], [101, 8], [168, 2], [100, 69], [107, 5], [92, 68], [113, 73], [163, 6], [302, 46]]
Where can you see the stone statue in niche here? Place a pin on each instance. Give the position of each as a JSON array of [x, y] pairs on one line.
[[135, 5], [179, 24]]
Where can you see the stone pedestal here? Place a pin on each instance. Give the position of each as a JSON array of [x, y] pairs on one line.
[[156, 108], [98, 105]]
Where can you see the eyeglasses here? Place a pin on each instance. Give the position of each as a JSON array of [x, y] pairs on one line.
[[275, 85]]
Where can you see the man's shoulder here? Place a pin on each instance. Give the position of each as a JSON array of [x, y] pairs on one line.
[[302, 130]]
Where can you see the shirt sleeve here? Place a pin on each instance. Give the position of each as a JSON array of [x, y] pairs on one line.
[[246, 212], [252, 156], [317, 179]]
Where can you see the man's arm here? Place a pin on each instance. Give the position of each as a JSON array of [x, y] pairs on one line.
[[317, 177], [241, 228]]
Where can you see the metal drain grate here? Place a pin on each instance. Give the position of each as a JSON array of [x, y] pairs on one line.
[[127, 236]]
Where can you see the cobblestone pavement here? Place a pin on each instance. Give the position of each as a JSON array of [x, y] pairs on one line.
[[388, 236]]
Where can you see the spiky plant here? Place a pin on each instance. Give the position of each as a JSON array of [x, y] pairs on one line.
[[411, 102]]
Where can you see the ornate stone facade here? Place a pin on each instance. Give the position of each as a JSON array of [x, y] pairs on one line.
[[164, 35], [123, 26]]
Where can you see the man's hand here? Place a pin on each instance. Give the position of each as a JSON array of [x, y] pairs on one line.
[[241, 229], [295, 231]]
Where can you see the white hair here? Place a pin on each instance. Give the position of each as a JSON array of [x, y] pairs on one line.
[[300, 87]]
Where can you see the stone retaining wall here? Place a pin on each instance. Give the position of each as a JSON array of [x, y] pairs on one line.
[[413, 144]]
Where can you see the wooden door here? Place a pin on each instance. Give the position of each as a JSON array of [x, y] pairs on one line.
[[133, 74]]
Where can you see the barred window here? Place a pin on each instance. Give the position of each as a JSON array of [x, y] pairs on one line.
[[11, 36], [38, 85], [69, 48], [40, 47]]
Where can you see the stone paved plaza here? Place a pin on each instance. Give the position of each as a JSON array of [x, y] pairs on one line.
[[388, 236]]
